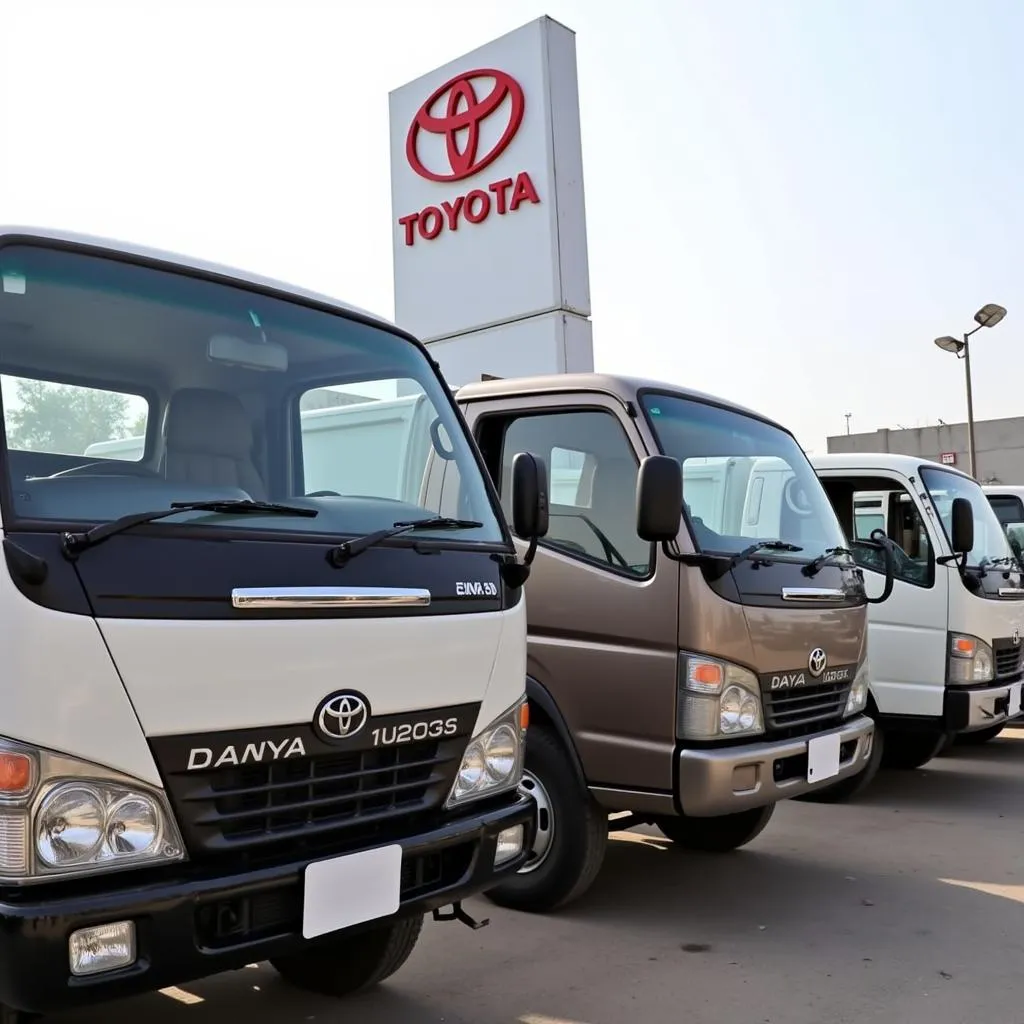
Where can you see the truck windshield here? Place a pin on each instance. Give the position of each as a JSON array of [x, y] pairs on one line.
[[990, 541], [126, 387], [743, 479]]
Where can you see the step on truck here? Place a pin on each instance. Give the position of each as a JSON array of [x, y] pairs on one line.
[[697, 640], [946, 651], [250, 713]]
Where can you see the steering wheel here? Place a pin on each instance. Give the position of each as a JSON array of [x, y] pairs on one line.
[[107, 469], [322, 494]]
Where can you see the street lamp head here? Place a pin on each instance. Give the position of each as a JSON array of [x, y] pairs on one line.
[[989, 315], [948, 344]]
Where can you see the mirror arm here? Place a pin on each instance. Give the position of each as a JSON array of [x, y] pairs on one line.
[[670, 549], [531, 552]]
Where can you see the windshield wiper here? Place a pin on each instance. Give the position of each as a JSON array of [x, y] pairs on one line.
[[764, 545], [827, 557], [346, 550], [74, 543], [719, 563]]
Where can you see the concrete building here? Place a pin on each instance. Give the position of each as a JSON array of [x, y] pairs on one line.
[[999, 446]]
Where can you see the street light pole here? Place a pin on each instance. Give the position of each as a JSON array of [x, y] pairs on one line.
[[988, 316], [971, 454]]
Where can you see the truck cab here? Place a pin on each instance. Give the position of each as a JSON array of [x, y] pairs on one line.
[[946, 647], [262, 700], [697, 652]]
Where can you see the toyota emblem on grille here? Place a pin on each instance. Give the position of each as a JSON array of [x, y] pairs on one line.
[[341, 715], [817, 662]]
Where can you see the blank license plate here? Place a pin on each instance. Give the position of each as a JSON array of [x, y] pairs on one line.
[[822, 758], [1015, 691], [350, 890]]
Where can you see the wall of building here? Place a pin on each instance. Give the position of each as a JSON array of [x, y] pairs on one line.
[[999, 446]]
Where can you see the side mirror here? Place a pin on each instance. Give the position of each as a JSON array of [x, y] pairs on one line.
[[529, 497], [659, 499], [962, 529]]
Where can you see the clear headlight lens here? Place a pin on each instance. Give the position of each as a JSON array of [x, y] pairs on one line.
[[858, 699], [717, 699], [77, 818], [970, 660], [493, 761]]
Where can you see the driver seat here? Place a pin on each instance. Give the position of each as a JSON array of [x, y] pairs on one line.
[[208, 440]]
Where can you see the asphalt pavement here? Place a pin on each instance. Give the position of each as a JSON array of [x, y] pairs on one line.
[[904, 906]]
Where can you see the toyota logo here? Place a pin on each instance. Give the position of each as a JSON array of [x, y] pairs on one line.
[[459, 119], [341, 716], [817, 662]]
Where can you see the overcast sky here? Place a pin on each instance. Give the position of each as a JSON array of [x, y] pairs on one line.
[[786, 200]]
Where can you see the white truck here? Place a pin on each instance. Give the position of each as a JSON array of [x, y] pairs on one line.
[[264, 699], [945, 649]]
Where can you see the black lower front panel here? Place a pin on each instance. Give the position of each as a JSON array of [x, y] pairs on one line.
[[249, 795], [197, 920]]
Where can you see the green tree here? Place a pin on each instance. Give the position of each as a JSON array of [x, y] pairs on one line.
[[63, 419]]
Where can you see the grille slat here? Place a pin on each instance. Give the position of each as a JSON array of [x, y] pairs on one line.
[[220, 792], [808, 706], [311, 803]]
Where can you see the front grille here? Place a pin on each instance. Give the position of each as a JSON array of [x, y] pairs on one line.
[[805, 709], [1008, 658], [324, 801], [277, 911]]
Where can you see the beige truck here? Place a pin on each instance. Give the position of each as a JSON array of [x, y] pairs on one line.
[[697, 632]]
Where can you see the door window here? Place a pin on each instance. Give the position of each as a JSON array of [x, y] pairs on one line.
[[592, 471], [892, 509]]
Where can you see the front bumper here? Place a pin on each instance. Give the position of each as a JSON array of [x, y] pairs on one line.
[[967, 710], [730, 779], [191, 925]]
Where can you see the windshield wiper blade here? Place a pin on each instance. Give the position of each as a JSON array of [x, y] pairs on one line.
[[813, 567], [764, 545], [346, 550], [74, 543]]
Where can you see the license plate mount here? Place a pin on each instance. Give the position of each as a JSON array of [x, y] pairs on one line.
[[350, 890], [823, 757]]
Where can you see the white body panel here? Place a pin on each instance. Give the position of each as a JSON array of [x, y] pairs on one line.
[[907, 643], [190, 676], [63, 692]]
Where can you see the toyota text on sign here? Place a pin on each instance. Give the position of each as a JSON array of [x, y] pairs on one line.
[[460, 121]]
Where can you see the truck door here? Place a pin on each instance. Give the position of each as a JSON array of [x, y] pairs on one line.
[[907, 633], [601, 603]]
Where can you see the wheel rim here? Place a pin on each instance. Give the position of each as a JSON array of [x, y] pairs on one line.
[[545, 822]]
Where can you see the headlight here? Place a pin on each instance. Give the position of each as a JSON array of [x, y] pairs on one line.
[[970, 660], [60, 817], [493, 761], [717, 700], [858, 698]]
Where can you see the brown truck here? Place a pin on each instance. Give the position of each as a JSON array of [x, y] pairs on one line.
[[692, 669]]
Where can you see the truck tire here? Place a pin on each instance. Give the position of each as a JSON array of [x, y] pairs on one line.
[[716, 835], [572, 833], [975, 739], [906, 751], [852, 787], [350, 963]]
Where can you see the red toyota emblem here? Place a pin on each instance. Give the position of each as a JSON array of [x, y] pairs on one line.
[[465, 112]]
